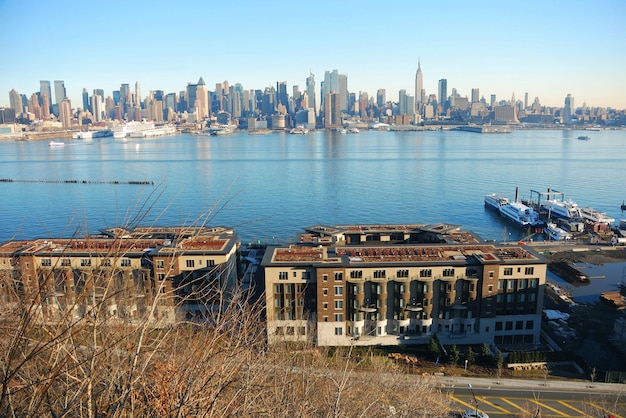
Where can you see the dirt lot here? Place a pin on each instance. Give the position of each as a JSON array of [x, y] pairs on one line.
[[593, 255]]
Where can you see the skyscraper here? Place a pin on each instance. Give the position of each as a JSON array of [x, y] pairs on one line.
[[65, 113], [137, 94], [15, 100], [59, 91], [419, 86], [568, 110], [310, 89], [86, 106], [475, 95], [442, 94], [381, 98], [44, 88], [202, 99], [343, 92]]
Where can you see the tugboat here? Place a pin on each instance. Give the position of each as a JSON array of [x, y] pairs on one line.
[[623, 207]]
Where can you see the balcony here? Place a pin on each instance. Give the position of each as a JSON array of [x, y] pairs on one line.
[[414, 307]]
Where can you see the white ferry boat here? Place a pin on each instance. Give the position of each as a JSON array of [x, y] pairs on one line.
[[133, 129], [592, 215], [520, 214], [566, 209], [56, 144], [157, 131], [555, 233], [299, 130], [494, 201], [93, 134]]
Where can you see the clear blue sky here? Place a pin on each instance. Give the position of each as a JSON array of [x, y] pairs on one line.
[[545, 48]]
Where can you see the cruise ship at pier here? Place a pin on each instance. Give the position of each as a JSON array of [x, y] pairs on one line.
[[142, 130]]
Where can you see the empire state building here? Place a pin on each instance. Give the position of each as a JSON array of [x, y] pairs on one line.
[[419, 87]]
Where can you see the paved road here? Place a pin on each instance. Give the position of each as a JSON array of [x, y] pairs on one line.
[[509, 398]]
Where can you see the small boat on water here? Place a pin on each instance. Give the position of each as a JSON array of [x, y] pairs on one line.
[[584, 138], [623, 207], [299, 130], [56, 144]]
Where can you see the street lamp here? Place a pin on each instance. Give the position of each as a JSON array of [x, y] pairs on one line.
[[469, 385], [466, 360]]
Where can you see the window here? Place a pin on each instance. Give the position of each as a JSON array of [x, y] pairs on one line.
[[448, 272], [491, 274], [338, 290], [280, 331], [380, 274], [295, 274], [338, 276], [501, 284], [160, 264], [161, 276], [402, 273], [355, 289], [190, 263], [278, 288], [508, 271], [498, 326], [426, 273], [523, 284], [325, 277], [529, 271], [356, 274], [511, 284], [402, 288], [46, 262], [125, 262], [325, 305], [107, 262], [65, 262], [534, 283], [338, 317], [339, 304], [210, 263], [325, 292], [338, 331], [283, 275], [508, 325], [490, 288], [85, 262], [529, 324], [519, 324], [301, 330]]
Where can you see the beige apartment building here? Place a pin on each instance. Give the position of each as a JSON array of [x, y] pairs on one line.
[[164, 275], [402, 284]]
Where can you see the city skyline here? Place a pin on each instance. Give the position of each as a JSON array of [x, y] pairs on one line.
[[545, 50]]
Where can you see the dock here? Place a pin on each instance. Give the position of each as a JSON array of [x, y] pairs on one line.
[[569, 273], [133, 182]]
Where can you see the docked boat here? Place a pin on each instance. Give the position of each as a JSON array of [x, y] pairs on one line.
[[157, 131], [56, 144], [93, 134], [565, 209], [299, 130], [353, 130], [520, 214], [220, 129], [494, 201], [592, 215], [623, 207], [555, 233]]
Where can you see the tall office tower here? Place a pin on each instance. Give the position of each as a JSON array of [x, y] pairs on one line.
[[15, 102], [402, 110], [419, 86], [330, 83], [268, 101], [65, 113], [190, 95], [59, 91], [158, 95], [492, 100], [568, 110], [282, 96], [109, 106], [236, 104], [202, 97], [381, 98], [45, 105], [343, 92], [86, 106], [475, 95], [170, 101], [442, 94], [137, 94], [310, 89], [97, 106], [33, 105], [296, 91], [124, 95], [44, 88], [526, 100]]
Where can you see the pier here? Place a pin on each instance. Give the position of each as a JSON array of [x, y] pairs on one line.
[[132, 182]]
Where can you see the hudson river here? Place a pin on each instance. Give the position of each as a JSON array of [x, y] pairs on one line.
[[269, 186]]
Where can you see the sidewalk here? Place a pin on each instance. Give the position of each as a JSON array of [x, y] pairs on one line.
[[552, 385]]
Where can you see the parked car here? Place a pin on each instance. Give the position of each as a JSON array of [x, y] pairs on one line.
[[472, 413]]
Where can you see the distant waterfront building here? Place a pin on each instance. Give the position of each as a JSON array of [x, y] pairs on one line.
[[85, 96], [343, 92], [202, 97], [492, 100], [442, 93], [374, 285], [138, 101], [504, 113], [65, 113]]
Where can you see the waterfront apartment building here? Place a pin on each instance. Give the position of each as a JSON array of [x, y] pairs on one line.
[[400, 285], [164, 275]]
